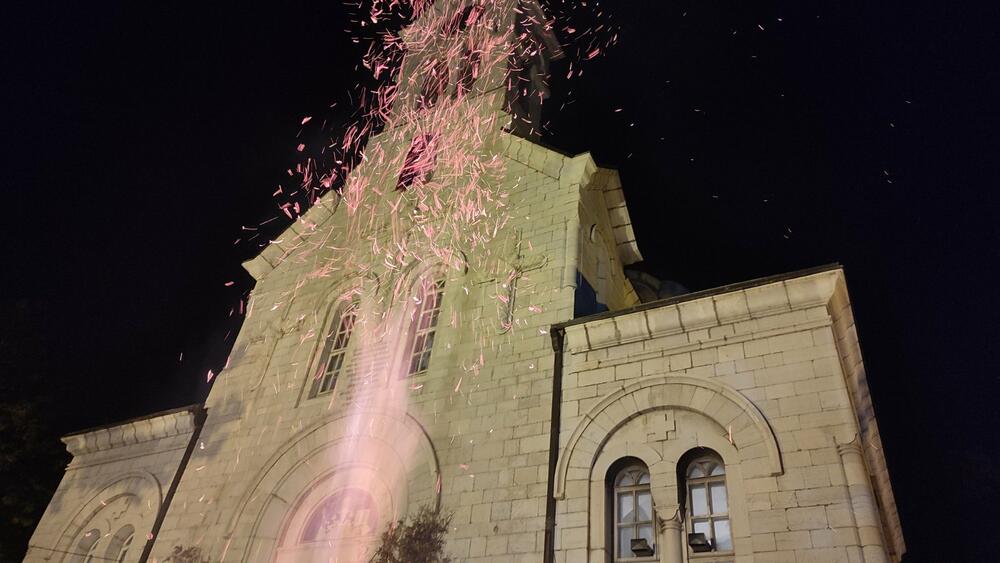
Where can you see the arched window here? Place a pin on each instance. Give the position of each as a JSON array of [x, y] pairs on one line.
[[707, 503], [423, 325], [120, 544], [89, 545], [335, 349], [348, 513], [463, 19], [436, 79], [469, 72], [634, 537], [418, 164]]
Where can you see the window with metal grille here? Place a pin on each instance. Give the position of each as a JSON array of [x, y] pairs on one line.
[[335, 350], [708, 502], [633, 512], [419, 163], [423, 325]]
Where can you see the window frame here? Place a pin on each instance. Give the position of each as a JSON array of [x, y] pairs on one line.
[[706, 461], [121, 544], [436, 79], [323, 382], [125, 547], [417, 362], [463, 18], [419, 162], [469, 72], [90, 555], [615, 524]]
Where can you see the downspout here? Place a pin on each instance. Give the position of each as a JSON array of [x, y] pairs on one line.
[[558, 334], [199, 421]]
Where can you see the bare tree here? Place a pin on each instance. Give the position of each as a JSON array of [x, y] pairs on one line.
[[418, 538]]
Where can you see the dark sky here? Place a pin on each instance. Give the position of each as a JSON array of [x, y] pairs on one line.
[[754, 138]]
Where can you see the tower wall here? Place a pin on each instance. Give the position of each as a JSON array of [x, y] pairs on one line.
[[479, 416], [753, 374]]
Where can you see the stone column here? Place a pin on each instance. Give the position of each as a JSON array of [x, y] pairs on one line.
[[863, 501], [671, 546]]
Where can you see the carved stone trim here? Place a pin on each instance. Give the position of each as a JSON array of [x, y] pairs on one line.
[[731, 410], [161, 425], [814, 290]]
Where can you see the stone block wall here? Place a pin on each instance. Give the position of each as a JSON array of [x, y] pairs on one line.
[[118, 480], [754, 374], [477, 421]]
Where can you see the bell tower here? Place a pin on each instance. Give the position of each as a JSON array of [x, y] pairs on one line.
[[460, 50]]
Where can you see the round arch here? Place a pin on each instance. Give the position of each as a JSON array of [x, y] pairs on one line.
[[753, 438], [348, 289], [391, 442], [140, 489]]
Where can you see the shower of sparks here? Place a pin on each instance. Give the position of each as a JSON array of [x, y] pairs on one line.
[[418, 177]]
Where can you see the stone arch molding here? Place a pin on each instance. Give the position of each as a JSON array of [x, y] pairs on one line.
[[310, 457], [753, 438], [140, 485]]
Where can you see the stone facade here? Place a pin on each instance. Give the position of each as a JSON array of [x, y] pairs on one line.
[[755, 374], [118, 484], [521, 411]]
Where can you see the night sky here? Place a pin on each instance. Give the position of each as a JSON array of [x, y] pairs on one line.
[[753, 138]]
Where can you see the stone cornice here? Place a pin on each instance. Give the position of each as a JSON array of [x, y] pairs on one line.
[[678, 317], [153, 427]]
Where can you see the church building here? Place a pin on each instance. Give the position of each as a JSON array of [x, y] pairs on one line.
[[455, 329]]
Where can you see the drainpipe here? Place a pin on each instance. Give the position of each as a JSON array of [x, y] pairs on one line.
[[199, 421], [558, 335]]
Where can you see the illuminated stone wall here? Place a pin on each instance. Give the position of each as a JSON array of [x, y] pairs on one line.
[[114, 486], [472, 440], [279, 475], [753, 374]]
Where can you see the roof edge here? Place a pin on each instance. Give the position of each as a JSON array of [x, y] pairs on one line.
[[699, 295], [194, 408]]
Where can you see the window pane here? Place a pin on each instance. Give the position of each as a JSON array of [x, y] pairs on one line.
[[701, 527], [723, 537], [123, 552], [699, 501], [336, 361], [718, 469], [626, 508], [425, 361], [719, 501], [625, 536], [696, 471], [644, 479], [426, 319], [646, 532], [644, 502], [626, 480], [418, 343]]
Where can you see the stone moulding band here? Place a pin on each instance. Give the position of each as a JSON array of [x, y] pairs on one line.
[[407, 423], [598, 424]]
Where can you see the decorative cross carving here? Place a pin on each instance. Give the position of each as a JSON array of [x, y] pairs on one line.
[[516, 265]]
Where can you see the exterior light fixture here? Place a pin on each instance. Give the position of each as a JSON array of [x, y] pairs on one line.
[[699, 543], [641, 548]]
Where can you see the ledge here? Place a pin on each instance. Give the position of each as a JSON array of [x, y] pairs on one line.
[[704, 309], [155, 426]]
